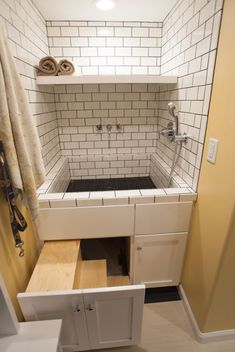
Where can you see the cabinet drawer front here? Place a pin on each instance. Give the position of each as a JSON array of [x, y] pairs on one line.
[[158, 259], [162, 218], [114, 315], [66, 305], [86, 222]]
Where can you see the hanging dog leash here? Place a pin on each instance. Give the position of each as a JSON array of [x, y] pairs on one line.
[[17, 220]]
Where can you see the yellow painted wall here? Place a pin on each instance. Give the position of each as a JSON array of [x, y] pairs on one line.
[[16, 271], [209, 271], [222, 306]]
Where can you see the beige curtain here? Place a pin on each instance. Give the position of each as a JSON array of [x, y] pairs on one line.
[[18, 132]]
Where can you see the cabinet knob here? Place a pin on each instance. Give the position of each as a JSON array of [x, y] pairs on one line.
[[77, 309], [90, 307], [139, 248]]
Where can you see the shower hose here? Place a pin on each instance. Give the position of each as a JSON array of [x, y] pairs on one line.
[[177, 151]]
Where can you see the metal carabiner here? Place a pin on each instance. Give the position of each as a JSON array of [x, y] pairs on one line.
[[2, 160], [20, 246]]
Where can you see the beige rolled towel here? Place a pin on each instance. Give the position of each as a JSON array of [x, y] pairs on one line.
[[65, 67], [48, 66]]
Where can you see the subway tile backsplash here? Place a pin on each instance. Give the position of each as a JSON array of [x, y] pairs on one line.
[[109, 166], [184, 45], [189, 42], [27, 34], [108, 47], [130, 109]]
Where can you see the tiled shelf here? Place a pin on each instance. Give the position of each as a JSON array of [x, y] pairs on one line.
[[102, 79]]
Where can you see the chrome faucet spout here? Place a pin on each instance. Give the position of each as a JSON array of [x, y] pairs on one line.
[[109, 128]]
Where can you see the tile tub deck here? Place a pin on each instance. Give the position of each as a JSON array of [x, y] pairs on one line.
[[52, 193]]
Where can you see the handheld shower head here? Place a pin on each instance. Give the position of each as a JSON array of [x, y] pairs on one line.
[[171, 109]]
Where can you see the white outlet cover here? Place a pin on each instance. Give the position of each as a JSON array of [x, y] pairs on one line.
[[212, 150]]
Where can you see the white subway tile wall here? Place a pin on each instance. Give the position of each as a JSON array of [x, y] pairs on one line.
[[66, 116], [57, 180], [27, 34], [189, 42], [109, 166], [159, 172], [130, 109], [108, 47]]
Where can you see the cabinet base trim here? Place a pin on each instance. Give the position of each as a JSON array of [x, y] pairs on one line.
[[204, 337]]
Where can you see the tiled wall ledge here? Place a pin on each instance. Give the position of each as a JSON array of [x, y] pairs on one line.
[[104, 79], [141, 196], [57, 179], [52, 193], [160, 171]]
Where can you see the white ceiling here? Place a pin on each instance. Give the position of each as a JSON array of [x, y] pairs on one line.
[[125, 10]]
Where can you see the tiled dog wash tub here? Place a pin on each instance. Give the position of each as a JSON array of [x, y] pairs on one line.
[[113, 213]]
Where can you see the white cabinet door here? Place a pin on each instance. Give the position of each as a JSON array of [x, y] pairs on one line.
[[92, 318], [66, 305], [158, 259], [114, 315]]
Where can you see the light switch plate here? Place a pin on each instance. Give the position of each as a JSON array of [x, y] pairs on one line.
[[212, 150]]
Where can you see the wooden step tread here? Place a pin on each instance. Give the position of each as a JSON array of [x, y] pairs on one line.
[[118, 281], [56, 266], [93, 273]]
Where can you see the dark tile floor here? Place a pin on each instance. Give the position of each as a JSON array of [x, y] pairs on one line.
[[111, 184], [161, 294]]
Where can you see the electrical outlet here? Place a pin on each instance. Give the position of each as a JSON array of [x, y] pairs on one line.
[[212, 150]]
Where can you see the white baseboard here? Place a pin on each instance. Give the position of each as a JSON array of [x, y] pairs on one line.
[[204, 337]]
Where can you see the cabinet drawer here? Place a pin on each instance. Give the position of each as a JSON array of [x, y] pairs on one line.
[[86, 222], [162, 218]]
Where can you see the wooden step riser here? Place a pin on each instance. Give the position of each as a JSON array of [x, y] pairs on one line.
[[60, 267], [93, 273], [56, 267]]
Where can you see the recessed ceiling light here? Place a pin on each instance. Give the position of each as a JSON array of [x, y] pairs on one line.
[[105, 4]]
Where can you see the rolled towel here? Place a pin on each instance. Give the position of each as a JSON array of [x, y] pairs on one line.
[[48, 66], [65, 67]]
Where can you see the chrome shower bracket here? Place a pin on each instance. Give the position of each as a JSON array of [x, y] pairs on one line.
[[182, 137], [170, 133]]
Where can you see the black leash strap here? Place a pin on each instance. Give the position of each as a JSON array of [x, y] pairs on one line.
[[17, 220]]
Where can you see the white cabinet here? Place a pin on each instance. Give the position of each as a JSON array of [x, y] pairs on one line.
[[92, 318], [66, 305], [158, 259], [114, 316]]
